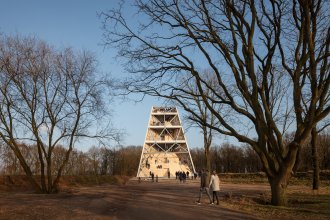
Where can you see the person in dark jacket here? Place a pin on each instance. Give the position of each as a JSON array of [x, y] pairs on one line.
[[204, 186]]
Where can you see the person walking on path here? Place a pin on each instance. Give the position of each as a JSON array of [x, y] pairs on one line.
[[204, 186], [215, 186]]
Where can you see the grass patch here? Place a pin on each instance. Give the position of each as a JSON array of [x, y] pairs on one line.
[[303, 203], [21, 183], [301, 179], [298, 211]]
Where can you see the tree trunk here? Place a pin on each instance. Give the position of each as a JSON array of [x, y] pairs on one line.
[[207, 145], [49, 175], [279, 179], [315, 160], [42, 171], [278, 188], [26, 168], [208, 160]]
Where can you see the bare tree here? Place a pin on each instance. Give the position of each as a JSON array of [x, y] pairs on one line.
[[48, 99], [205, 117], [315, 154], [259, 52], [96, 155], [199, 114]]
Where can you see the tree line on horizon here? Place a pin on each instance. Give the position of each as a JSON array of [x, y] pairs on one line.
[[124, 160]]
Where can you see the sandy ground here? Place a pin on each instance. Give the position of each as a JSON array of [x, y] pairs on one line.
[[146, 200]]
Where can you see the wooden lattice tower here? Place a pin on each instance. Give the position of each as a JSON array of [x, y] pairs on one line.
[[165, 149]]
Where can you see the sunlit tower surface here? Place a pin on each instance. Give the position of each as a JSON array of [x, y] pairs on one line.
[[165, 149]]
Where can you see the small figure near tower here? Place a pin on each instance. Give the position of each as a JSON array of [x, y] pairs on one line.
[[165, 150]]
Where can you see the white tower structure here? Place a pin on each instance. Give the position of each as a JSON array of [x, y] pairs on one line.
[[165, 149]]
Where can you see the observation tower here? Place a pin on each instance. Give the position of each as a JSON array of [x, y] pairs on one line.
[[165, 149]]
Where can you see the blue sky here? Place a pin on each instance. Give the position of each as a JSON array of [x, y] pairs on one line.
[[74, 23]]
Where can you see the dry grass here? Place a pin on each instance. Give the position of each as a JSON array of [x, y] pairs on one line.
[[303, 203], [21, 183]]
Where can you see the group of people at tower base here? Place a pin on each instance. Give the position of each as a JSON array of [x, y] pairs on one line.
[[208, 184], [182, 176]]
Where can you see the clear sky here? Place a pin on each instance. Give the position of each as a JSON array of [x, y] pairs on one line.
[[74, 23]]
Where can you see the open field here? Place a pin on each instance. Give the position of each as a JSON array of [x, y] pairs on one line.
[[166, 199]]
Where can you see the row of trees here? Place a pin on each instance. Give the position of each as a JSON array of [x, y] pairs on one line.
[[96, 161], [235, 159], [306, 161], [227, 159], [125, 160]]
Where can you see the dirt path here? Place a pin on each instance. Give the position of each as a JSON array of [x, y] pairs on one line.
[[162, 200], [173, 201]]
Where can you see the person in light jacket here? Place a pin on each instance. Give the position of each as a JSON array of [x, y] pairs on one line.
[[215, 186]]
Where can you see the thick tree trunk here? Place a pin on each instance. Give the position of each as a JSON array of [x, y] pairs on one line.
[[279, 178], [278, 189], [315, 160]]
